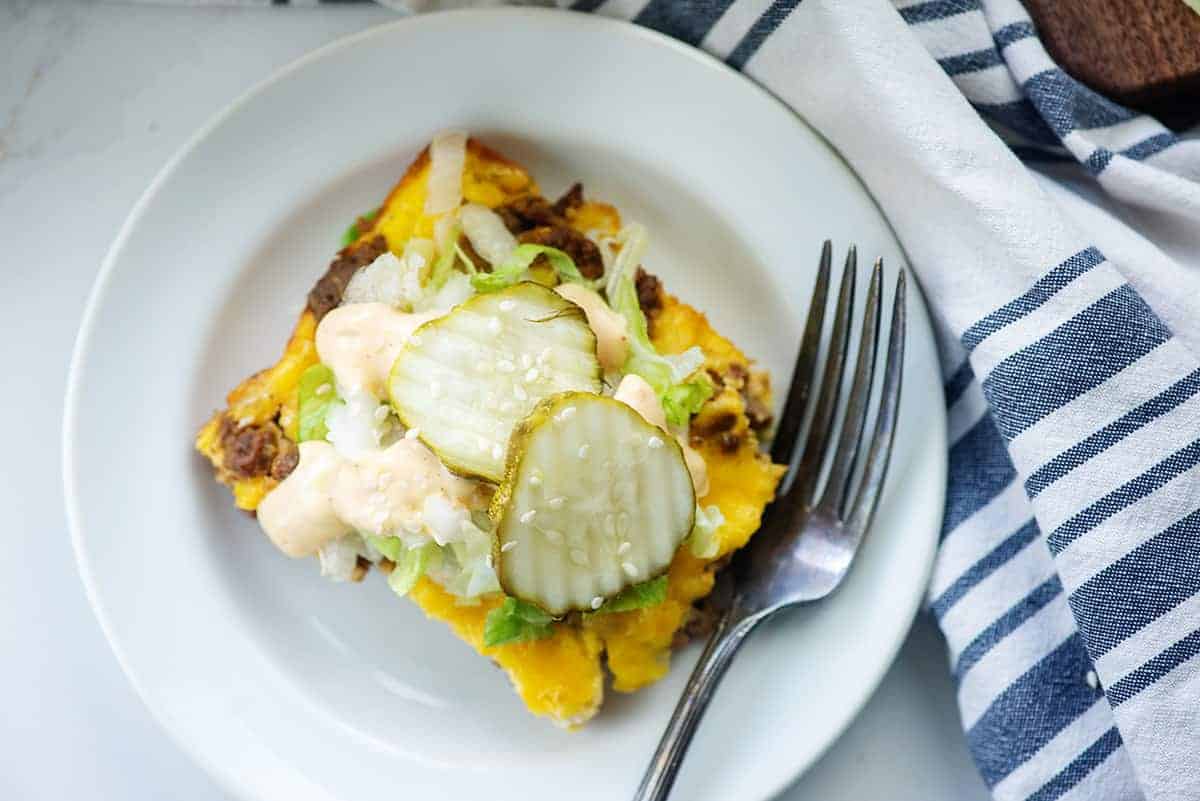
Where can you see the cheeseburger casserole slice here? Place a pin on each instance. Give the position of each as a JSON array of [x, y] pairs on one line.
[[487, 399]]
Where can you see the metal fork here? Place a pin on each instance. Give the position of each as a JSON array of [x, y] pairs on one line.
[[808, 540]]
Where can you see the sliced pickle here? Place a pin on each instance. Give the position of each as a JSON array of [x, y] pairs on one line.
[[463, 381], [594, 500]]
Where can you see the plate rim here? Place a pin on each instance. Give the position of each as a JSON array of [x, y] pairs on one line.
[[98, 293]]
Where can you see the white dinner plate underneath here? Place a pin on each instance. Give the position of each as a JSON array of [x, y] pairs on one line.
[[286, 686]]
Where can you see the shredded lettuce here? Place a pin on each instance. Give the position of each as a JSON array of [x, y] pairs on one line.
[[352, 233], [681, 401], [314, 404], [705, 543], [633, 240], [464, 567], [681, 396], [639, 596], [388, 546], [516, 621], [410, 566], [455, 290], [447, 252], [475, 575], [512, 269]]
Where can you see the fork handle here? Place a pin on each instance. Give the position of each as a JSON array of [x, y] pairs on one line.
[[731, 631]]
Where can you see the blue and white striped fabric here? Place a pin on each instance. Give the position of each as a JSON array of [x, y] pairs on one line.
[[1068, 580]]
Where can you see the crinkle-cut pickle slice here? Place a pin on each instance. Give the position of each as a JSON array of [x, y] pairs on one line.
[[466, 379], [594, 500]]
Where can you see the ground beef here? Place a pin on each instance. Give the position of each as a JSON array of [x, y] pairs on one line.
[[571, 200], [757, 387], [705, 612], [758, 414], [251, 450], [649, 292], [716, 424], [582, 250], [286, 460], [729, 442], [529, 211], [361, 566], [534, 220], [737, 376], [702, 619], [327, 293], [532, 211]]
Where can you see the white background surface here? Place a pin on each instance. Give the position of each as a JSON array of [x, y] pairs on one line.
[[93, 100]]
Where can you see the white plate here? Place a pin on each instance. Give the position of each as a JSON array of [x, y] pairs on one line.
[[286, 686]]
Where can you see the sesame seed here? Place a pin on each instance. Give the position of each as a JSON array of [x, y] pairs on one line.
[[584, 449], [567, 413], [324, 389], [494, 325], [629, 569], [535, 480], [531, 375], [526, 360], [412, 433], [624, 548], [508, 546], [528, 516], [519, 392], [654, 442], [557, 502], [552, 536], [507, 305], [579, 557], [381, 413], [505, 366], [1092, 679], [597, 602], [497, 451], [245, 421]]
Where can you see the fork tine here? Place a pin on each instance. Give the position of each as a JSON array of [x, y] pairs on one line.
[[885, 423], [808, 472], [837, 489], [788, 434]]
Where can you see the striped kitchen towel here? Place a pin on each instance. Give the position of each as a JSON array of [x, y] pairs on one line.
[[1068, 579]]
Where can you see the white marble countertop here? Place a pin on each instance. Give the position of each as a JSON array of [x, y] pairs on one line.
[[93, 101]]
